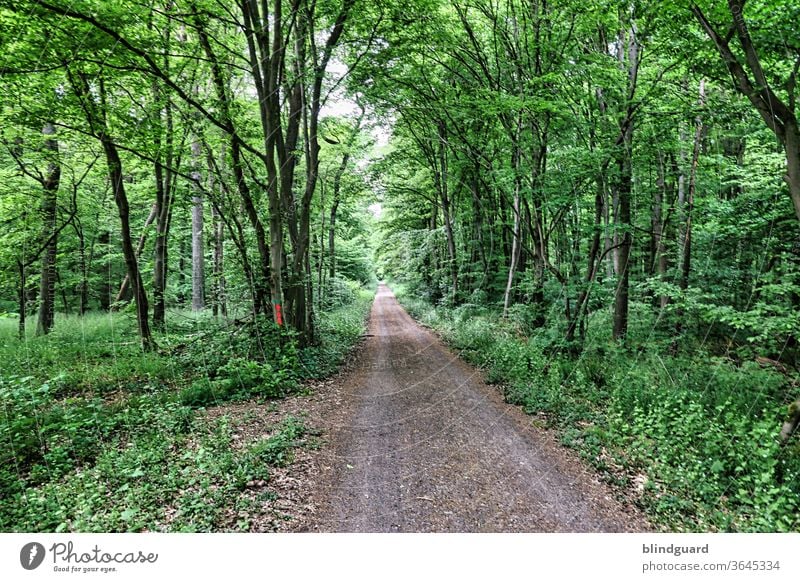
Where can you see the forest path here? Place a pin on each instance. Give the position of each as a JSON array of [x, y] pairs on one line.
[[417, 442]]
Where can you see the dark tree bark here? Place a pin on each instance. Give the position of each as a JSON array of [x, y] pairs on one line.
[[23, 281], [579, 317], [131, 262], [658, 257], [299, 306], [219, 306], [164, 176], [687, 238], [686, 243], [83, 267], [624, 184], [50, 185]]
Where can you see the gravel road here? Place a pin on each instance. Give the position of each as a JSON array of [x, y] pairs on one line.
[[417, 442]]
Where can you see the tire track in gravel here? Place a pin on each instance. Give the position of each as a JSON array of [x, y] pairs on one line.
[[417, 442]]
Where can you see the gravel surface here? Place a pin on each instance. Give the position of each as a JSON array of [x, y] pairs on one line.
[[417, 442]]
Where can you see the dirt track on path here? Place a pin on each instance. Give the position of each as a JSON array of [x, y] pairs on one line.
[[417, 442]]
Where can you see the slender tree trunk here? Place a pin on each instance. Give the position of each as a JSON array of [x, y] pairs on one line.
[[220, 305], [680, 168], [447, 212], [579, 317], [198, 250], [123, 289], [128, 250], [164, 180], [687, 239], [50, 185], [322, 249], [477, 223], [83, 289], [264, 276], [620, 327], [515, 242], [686, 248], [656, 226], [104, 240], [624, 248], [337, 187], [22, 300], [659, 256], [608, 248], [160, 253]]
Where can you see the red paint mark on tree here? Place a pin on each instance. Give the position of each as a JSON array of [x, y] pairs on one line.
[[278, 314]]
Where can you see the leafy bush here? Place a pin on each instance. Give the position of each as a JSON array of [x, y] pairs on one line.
[[339, 292]]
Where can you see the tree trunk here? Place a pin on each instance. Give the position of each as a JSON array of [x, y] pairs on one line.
[[515, 241], [220, 305], [683, 282], [160, 253], [22, 299], [624, 248], [123, 289], [198, 251], [687, 239], [620, 327], [83, 268], [337, 186], [164, 180], [104, 240], [447, 212], [477, 223], [50, 185], [264, 276], [659, 256], [592, 266], [120, 197]]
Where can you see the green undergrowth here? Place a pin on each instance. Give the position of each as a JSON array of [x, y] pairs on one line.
[[341, 329], [692, 438], [97, 436]]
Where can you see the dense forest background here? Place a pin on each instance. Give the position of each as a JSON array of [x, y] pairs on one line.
[[597, 202]]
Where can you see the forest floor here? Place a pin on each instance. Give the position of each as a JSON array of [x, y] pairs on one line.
[[413, 440]]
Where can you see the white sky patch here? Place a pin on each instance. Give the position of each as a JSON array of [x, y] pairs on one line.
[[339, 104], [376, 209]]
